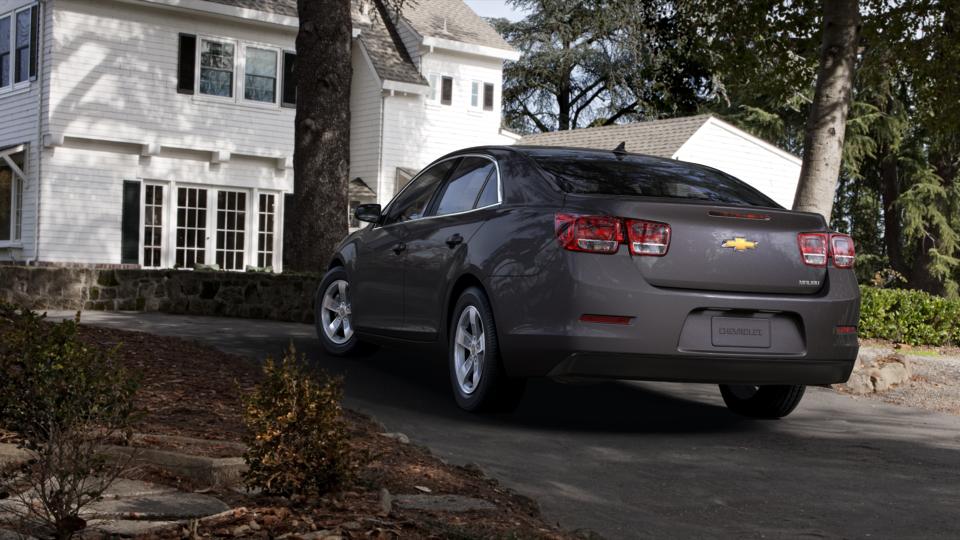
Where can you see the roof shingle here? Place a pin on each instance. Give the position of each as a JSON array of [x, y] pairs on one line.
[[451, 19], [654, 138]]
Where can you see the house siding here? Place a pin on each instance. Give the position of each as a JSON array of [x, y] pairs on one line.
[[418, 131], [365, 120], [20, 115], [770, 171]]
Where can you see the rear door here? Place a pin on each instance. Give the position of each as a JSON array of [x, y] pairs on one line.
[[438, 244], [378, 287]]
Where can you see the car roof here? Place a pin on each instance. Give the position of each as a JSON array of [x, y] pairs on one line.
[[564, 152]]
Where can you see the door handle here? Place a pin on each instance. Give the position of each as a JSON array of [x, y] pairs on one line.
[[454, 240], [399, 248]]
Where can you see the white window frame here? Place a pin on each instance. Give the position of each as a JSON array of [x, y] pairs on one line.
[[12, 15], [164, 221], [433, 79], [476, 95], [493, 96], [239, 72], [277, 222], [19, 178], [278, 73]]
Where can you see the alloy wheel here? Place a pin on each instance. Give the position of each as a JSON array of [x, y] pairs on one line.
[[335, 312], [468, 350]]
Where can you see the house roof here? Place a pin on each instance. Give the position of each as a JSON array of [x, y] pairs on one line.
[[655, 138], [387, 54], [453, 20]]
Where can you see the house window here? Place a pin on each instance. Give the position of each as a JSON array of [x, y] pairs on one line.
[[22, 43], [475, 94], [487, 97], [216, 68], [191, 227], [152, 226], [11, 190], [18, 56], [231, 225], [260, 75], [266, 215], [446, 90], [5, 48]]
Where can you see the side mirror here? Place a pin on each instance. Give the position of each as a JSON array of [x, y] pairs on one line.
[[368, 212]]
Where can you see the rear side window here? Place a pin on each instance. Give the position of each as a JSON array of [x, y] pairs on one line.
[[412, 202], [461, 192], [643, 176]]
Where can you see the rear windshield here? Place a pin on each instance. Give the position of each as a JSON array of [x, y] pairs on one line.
[[642, 176]]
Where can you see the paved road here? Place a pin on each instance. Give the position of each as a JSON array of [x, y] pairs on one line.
[[652, 460]]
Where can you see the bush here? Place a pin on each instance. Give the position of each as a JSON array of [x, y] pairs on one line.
[[298, 443], [63, 400], [909, 316]]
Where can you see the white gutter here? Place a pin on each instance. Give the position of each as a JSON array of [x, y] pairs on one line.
[[41, 28], [469, 48]]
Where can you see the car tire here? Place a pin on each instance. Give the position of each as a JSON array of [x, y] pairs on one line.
[[489, 389], [341, 339], [770, 402]]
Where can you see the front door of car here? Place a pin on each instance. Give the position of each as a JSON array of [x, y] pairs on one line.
[[378, 286], [437, 245]]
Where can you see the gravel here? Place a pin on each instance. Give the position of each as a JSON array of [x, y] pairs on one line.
[[934, 386]]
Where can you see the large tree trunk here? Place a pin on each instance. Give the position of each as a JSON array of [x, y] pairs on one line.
[[823, 142], [316, 218], [892, 224]]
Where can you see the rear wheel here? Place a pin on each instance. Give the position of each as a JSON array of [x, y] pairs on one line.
[[476, 372], [762, 401], [333, 315]]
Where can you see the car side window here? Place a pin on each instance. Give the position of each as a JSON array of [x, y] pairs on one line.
[[491, 192], [461, 191], [413, 200]]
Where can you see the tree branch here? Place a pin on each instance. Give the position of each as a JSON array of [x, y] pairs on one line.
[[626, 110], [536, 121]]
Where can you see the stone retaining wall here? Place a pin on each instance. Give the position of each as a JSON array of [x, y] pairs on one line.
[[282, 297]]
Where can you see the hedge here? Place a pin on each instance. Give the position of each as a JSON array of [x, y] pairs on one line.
[[909, 316]]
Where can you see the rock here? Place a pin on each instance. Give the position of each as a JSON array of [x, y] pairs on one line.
[[444, 503], [254, 526], [859, 383], [315, 535], [403, 439], [165, 506], [386, 502], [352, 525], [894, 373], [130, 527], [241, 530], [423, 489]]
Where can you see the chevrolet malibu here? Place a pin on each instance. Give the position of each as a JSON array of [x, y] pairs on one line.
[[523, 262]]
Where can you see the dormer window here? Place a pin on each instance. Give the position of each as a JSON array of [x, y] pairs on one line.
[[216, 68]]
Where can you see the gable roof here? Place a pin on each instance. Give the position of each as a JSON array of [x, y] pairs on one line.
[[453, 20], [662, 138], [280, 7]]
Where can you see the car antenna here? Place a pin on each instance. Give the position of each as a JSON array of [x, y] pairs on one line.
[[620, 150]]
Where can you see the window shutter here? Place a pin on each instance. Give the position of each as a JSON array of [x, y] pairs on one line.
[[34, 40], [487, 97], [130, 224], [289, 98], [446, 91], [186, 66]]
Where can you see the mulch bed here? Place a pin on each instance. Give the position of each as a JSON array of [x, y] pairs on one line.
[[191, 390]]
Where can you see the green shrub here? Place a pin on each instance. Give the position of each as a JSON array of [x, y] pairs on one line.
[[909, 316], [298, 443], [63, 400]]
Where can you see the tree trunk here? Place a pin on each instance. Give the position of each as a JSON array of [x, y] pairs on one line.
[[823, 141], [316, 216], [892, 225]]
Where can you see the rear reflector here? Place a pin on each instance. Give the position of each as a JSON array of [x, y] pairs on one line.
[[846, 330], [594, 234], [648, 237], [813, 248], [605, 319], [842, 250]]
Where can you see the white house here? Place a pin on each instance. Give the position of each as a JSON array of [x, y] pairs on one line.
[[159, 133], [703, 139]]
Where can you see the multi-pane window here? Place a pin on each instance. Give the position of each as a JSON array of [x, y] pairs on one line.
[[5, 48], [216, 68], [22, 44], [152, 226], [266, 215], [231, 225], [11, 191], [260, 75], [191, 227]]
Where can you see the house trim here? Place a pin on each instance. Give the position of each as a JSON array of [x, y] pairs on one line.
[[743, 135], [223, 10], [469, 48], [388, 84]]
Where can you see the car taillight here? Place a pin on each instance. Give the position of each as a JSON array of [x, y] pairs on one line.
[[594, 234], [842, 250], [648, 237], [813, 248]]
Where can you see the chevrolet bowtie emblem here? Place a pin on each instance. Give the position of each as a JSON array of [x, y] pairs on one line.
[[740, 244]]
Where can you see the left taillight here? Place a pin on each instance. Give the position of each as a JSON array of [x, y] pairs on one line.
[[604, 234]]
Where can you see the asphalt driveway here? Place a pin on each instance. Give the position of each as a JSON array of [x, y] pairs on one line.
[[653, 460]]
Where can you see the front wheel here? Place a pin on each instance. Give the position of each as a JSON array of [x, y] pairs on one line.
[[476, 372], [333, 315], [770, 402]]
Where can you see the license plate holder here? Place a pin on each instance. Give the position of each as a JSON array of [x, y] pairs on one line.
[[740, 332]]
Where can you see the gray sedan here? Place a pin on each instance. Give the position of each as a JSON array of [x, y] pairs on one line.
[[524, 262]]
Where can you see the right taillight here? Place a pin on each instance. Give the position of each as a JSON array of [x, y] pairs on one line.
[[842, 250], [813, 248], [648, 237]]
